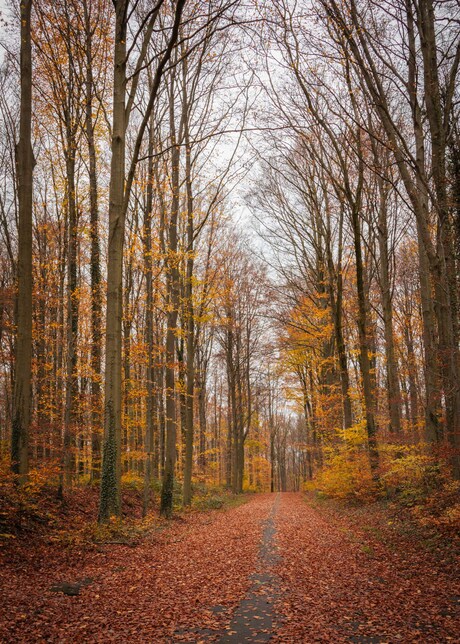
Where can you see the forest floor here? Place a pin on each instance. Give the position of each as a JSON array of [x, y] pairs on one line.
[[277, 567]]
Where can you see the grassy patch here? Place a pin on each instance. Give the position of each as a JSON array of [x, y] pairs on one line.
[[215, 498], [367, 550]]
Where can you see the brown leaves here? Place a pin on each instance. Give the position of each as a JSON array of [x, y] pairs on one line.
[[342, 575], [154, 592], [340, 583]]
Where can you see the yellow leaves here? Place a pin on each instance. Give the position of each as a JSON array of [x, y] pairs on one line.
[[308, 326], [254, 445], [452, 516], [346, 476], [410, 469], [355, 436], [132, 479]]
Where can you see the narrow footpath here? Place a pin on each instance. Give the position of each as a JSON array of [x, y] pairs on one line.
[[253, 620]]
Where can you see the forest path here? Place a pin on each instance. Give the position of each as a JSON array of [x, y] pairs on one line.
[[253, 619], [272, 569]]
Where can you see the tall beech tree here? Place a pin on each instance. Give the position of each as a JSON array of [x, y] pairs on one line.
[[93, 15], [120, 190], [23, 343]]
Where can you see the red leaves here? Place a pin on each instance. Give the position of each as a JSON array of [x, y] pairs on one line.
[[341, 577], [158, 590], [340, 583]]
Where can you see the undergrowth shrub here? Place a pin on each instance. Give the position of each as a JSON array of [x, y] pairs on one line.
[[26, 504], [347, 476], [207, 496], [208, 502], [441, 508], [132, 480], [408, 474]]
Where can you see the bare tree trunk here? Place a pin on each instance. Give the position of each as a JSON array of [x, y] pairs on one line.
[[336, 299], [72, 316], [43, 416], [232, 377], [271, 424], [364, 348], [446, 287], [394, 393], [127, 438], [96, 293], [431, 367], [201, 384], [190, 342], [412, 367], [172, 286], [282, 465], [110, 500], [23, 345], [170, 429], [160, 379], [150, 375], [229, 451]]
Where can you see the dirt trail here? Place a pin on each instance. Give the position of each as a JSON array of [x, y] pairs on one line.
[[273, 569], [253, 620]]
